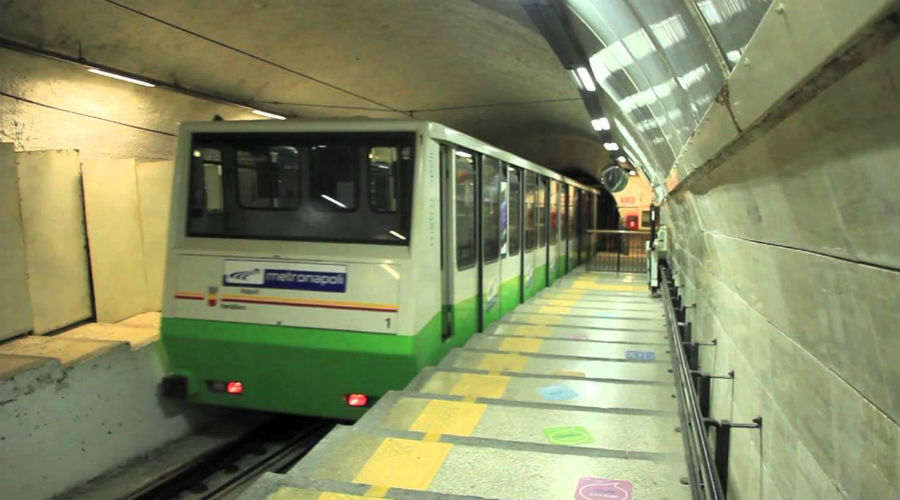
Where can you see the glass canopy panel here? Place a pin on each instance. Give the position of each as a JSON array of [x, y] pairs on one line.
[[620, 70], [732, 23], [690, 57]]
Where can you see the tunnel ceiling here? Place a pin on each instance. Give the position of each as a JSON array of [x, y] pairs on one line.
[[476, 65]]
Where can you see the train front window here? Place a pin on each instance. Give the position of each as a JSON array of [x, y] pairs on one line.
[[383, 179], [340, 187], [268, 178], [333, 179]]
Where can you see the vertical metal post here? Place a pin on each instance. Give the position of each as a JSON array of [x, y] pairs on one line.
[[618, 252], [686, 332], [703, 393], [693, 355], [723, 444]]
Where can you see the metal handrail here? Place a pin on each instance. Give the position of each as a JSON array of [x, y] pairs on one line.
[[707, 484]]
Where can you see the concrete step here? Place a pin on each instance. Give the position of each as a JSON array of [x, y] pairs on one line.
[[575, 333], [391, 464], [603, 304], [591, 312], [555, 366], [584, 322], [633, 352], [574, 393], [415, 416]]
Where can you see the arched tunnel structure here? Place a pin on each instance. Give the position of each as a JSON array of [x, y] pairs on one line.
[[764, 136]]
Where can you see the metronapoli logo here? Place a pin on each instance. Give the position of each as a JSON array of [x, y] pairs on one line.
[[244, 275], [289, 275]]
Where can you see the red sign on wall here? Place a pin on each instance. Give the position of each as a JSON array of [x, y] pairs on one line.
[[627, 200]]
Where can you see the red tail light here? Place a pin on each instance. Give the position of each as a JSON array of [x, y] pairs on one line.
[[357, 400], [234, 387]]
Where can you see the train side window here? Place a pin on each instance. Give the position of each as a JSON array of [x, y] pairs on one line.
[[563, 214], [383, 195], [554, 211], [515, 211], [333, 177], [490, 207], [206, 195], [530, 195], [541, 203], [466, 249], [269, 178]]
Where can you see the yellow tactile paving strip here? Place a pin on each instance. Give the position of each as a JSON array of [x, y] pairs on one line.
[[503, 362], [448, 417], [474, 385], [403, 463], [520, 344]]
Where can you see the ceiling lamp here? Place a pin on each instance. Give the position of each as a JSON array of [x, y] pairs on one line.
[[600, 124]]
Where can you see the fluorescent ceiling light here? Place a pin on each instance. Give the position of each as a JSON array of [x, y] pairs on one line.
[[120, 77], [621, 159], [586, 79], [610, 146], [397, 235], [329, 198], [601, 123], [268, 115], [463, 154], [576, 79]]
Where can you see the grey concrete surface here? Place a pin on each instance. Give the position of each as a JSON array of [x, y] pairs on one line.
[[790, 248], [63, 425]]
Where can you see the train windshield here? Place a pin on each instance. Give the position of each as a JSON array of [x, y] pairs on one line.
[[335, 187]]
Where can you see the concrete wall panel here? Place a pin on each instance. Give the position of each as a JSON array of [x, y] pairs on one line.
[[116, 243], [55, 244], [62, 427], [821, 437], [154, 184], [15, 303]]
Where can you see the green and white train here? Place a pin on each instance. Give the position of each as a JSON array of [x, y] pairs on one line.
[[315, 265]]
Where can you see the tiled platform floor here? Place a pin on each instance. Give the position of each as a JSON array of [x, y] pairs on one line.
[[568, 397]]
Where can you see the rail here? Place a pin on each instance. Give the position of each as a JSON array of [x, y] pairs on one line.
[[618, 250], [704, 478]]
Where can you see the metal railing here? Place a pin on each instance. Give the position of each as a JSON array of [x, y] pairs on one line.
[[619, 251], [708, 471], [704, 478]]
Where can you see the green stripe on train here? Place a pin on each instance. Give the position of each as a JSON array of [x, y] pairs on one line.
[[509, 295], [305, 370]]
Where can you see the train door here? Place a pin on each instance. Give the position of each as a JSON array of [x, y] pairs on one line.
[[553, 229], [573, 229], [560, 229], [511, 255], [448, 246], [530, 212], [540, 257], [491, 222], [461, 207]]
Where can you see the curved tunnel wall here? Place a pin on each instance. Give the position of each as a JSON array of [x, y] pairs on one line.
[[789, 244]]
